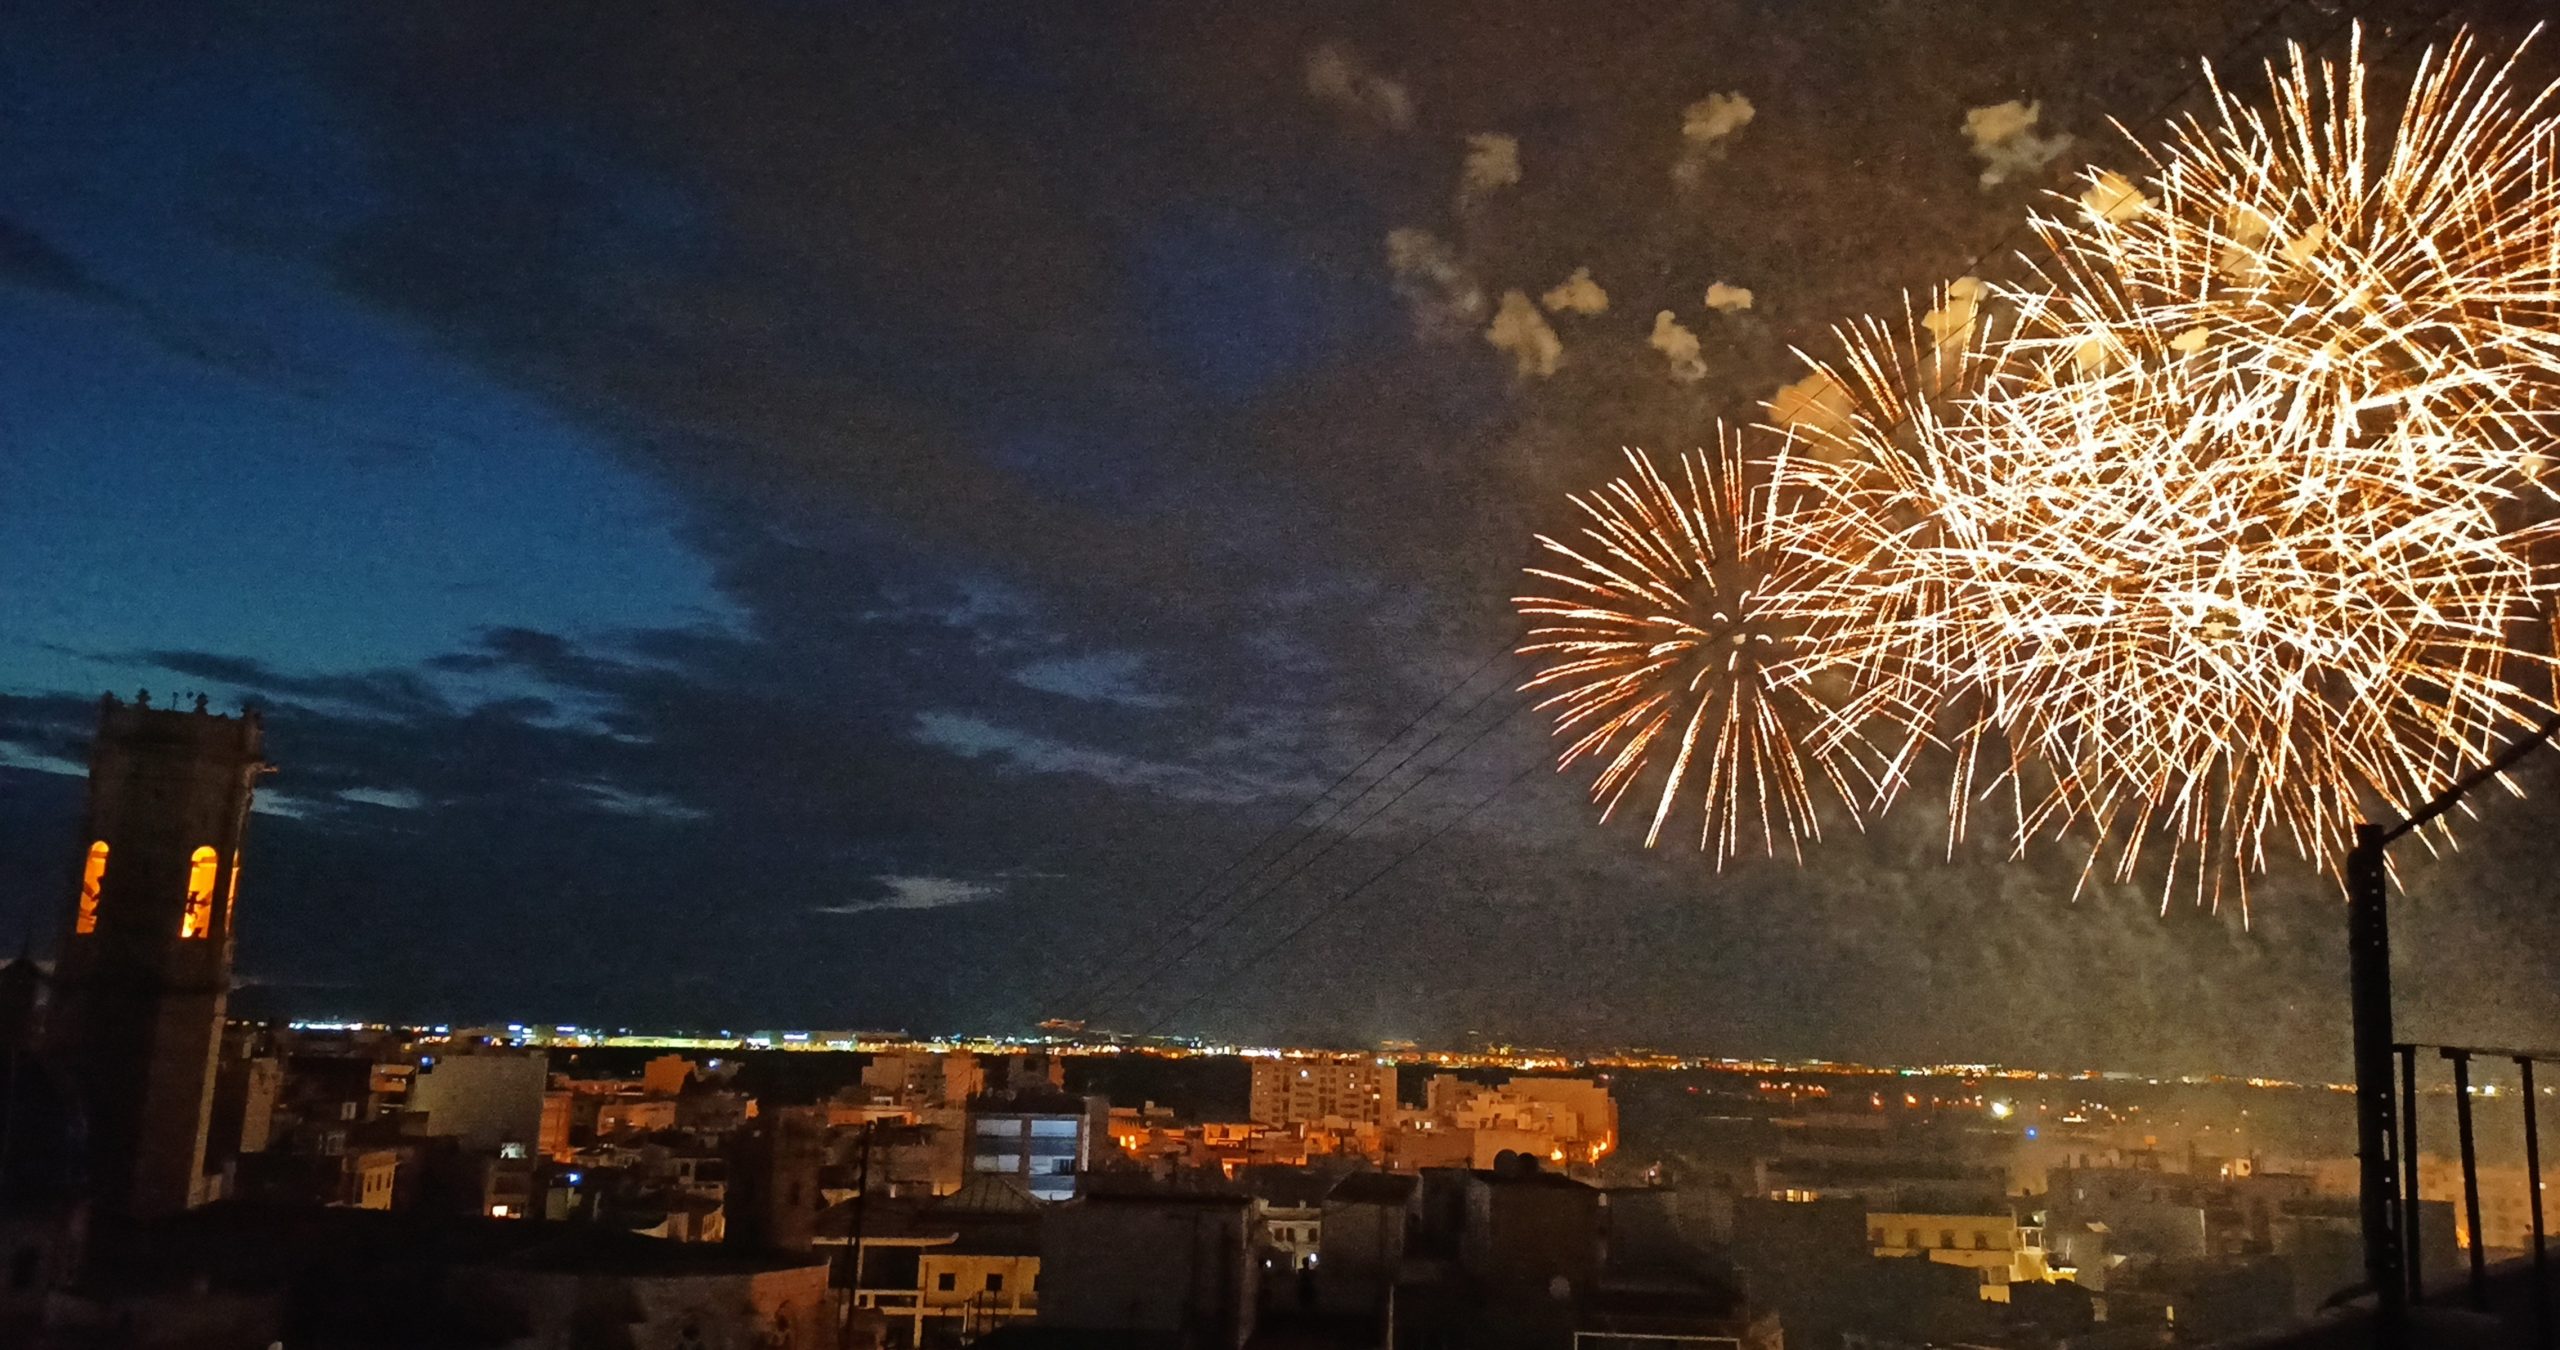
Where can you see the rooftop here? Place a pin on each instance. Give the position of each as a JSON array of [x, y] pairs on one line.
[[1373, 1188]]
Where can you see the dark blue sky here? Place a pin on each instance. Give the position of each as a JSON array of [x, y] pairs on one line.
[[850, 513]]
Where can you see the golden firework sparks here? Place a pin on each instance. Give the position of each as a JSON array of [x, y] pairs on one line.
[[1666, 658], [2228, 528], [2156, 628]]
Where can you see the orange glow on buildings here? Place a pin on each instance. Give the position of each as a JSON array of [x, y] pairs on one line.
[[197, 920], [93, 876]]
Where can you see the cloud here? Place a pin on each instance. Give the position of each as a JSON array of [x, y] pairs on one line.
[[1034, 753], [1705, 126], [919, 892], [1439, 291], [1522, 331], [1674, 340], [2003, 137], [1709, 120], [396, 799], [30, 258], [1337, 77], [1577, 294], [1817, 402], [1728, 299], [2113, 198], [1493, 163], [1094, 677], [1958, 309]]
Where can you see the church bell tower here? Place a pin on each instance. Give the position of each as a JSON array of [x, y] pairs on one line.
[[144, 963]]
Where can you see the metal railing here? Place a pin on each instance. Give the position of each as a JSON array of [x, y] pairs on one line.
[[2462, 1059]]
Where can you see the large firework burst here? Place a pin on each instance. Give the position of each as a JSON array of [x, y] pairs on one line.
[[2283, 408], [1669, 658], [2345, 280], [2156, 624], [2230, 534], [2226, 529]]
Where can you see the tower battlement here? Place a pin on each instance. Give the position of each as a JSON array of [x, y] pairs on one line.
[[196, 729]]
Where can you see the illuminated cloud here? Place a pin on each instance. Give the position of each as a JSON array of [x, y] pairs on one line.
[[2113, 198], [1522, 331], [1443, 297], [1680, 346], [2004, 138], [1818, 402], [1711, 119], [1960, 305], [1337, 77], [1728, 299], [919, 892], [1577, 294], [1704, 127], [1493, 163]]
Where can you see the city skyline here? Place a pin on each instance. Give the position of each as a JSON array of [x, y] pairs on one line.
[[817, 524]]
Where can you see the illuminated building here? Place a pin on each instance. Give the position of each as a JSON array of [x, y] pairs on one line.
[[920, 1078], [1993, 1244], [935, 1268], [145, 957], [1564, 1121], [1043, 1145], [1350, 1089]]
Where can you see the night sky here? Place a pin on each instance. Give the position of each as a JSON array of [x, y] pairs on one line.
[[772, 514]]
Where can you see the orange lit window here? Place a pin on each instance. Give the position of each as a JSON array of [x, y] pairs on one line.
[[92, 878], [198, 920]]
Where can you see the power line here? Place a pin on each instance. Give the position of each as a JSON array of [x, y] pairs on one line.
[[1240, 904], [1323, 911], [1114, 988], [1200, 902]]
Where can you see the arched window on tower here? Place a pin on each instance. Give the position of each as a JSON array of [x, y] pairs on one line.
[[93, 878], [197, 921]]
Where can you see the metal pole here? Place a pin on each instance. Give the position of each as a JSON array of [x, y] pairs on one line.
[[2369, 1000], [853, 1238], [2533, 1179], [2470, 1176], [2414, 1262]]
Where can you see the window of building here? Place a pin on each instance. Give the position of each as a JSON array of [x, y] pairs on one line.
[[995, 1283], [1946, 1237], [92, 878], [946, 1282], [1911, 1238], [197, 920], [1981, 1242], [1875, 1237]]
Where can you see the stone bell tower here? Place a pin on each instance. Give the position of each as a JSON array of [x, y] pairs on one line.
[[144, 960]]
